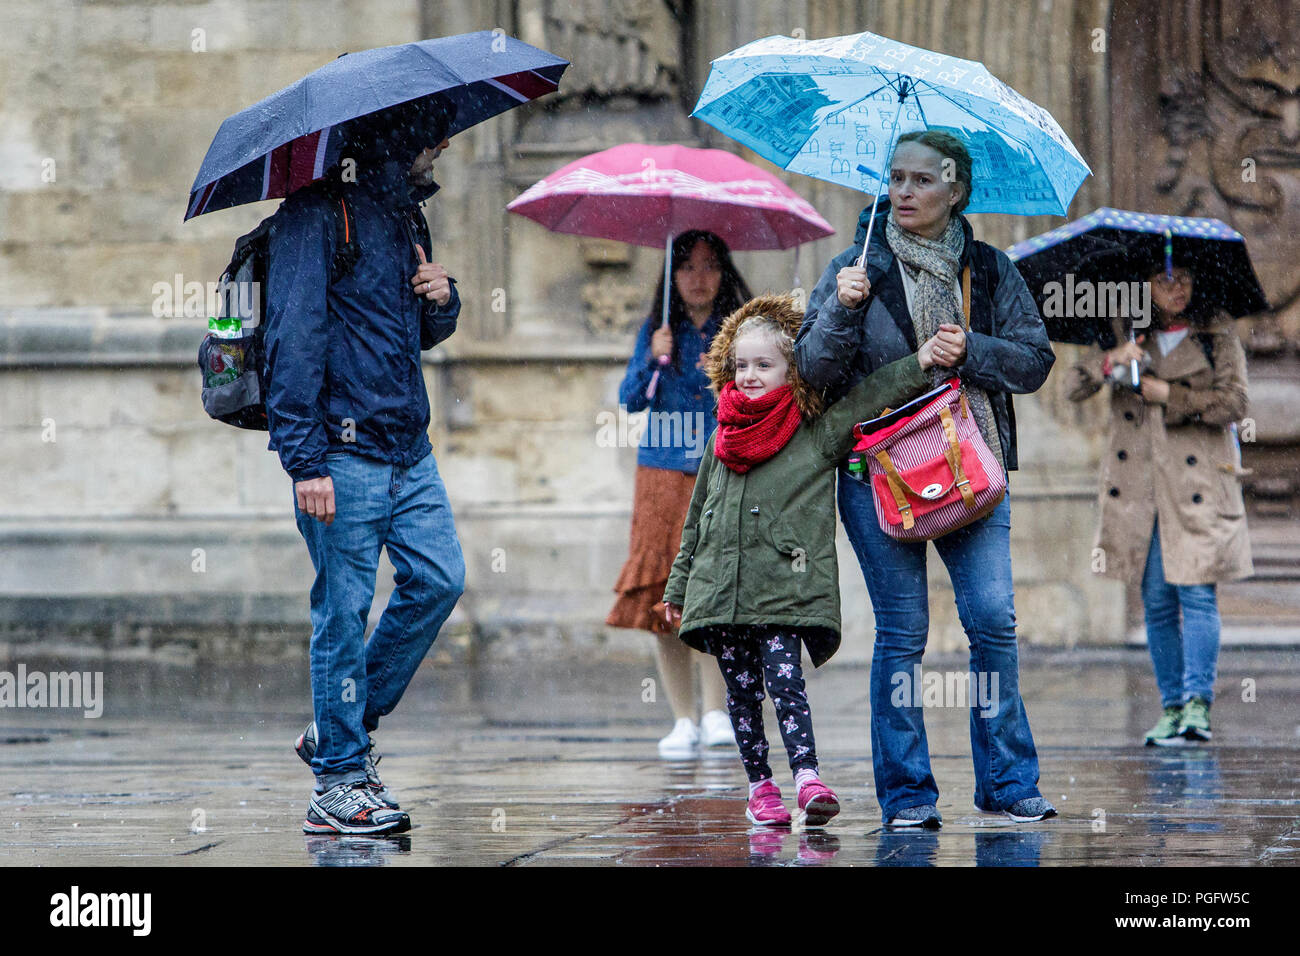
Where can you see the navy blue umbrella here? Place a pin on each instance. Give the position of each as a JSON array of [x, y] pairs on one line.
[[1118, 245], [292, 137]]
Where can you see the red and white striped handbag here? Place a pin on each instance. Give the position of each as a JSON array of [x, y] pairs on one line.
[[929, 466]]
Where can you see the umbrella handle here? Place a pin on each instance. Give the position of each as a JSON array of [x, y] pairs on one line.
[[668, 278], [1134, 371], [654, 379]]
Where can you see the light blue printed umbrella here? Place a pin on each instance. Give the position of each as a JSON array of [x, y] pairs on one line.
[[832, 109]]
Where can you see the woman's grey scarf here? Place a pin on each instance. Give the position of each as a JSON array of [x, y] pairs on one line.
[[933, 265]]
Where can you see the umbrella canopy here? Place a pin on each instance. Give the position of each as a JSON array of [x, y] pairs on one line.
[[291, 138], [831, 109], [1120, 246], [645, 195]]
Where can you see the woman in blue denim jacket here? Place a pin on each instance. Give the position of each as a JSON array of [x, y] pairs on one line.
[[705, 289]]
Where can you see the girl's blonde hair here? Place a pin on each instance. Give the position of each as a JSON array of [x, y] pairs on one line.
[[763, 323], [779, 317]]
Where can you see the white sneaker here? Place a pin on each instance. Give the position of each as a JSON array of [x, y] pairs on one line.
[[681, 742], [715, 730]]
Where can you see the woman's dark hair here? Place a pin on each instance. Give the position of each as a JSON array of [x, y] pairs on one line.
[[950, 147], [732, 290]]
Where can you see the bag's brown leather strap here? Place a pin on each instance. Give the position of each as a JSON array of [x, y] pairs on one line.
[[965, 295], [896, 485], [953, 454]]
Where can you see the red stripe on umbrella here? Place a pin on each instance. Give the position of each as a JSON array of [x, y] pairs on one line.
[[303, 155], [528, 84], [201, 203], [277, 164]]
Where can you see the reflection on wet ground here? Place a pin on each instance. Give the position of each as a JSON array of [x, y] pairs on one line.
[[527, 767]]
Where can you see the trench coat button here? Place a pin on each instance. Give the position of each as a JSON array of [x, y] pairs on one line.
[[1197, 499], [1128, 416], [1114, 492], [709, 512], [753, 511], [1191, 459], [1122, 455]]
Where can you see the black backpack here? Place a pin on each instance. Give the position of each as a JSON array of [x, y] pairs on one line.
[[231, 361]]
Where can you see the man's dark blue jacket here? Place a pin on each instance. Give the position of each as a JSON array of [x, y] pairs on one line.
[[343, 361]]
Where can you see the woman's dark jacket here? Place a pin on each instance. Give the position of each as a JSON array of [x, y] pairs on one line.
[[1007, 350]]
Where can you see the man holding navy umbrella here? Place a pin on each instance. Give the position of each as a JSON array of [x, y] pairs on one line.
[[349, 416], [352, 298]]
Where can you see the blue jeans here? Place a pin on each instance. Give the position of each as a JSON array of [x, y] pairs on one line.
[[1186, 653], [355, 682], [978, 559]]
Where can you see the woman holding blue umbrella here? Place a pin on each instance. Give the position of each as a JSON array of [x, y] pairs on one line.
[[828, 108], [863, 316], [1172, 514]]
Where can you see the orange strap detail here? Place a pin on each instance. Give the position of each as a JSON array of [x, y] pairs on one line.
[[896, 485], [953, 454], [965, 295]]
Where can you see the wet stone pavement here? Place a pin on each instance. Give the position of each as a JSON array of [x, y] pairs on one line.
[[556, 766]]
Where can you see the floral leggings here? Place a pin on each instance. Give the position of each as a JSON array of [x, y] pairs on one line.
[[749, 656]]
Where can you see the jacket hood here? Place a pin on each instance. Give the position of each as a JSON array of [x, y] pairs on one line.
[[720, 364], [385, 143]]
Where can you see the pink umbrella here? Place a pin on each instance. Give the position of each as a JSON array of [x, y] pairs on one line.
[[646, 195]]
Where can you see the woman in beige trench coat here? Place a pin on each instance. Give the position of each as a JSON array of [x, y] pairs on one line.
[[1172, 515]]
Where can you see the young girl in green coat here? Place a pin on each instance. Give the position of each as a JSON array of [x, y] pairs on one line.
[[756, 578]]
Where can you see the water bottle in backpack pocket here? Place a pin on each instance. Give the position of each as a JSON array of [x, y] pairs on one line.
[[231, 355]]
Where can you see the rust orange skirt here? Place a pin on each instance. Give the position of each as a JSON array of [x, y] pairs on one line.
[[659, 505]]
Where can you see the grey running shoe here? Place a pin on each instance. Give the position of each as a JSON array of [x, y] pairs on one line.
[[1030, 810], [352, 808], [305, 747], [381, 793], [926, 815]]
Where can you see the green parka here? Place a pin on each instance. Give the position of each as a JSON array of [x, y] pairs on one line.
[[759, 547]]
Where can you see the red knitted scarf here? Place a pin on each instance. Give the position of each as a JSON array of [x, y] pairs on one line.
[[752, 430]]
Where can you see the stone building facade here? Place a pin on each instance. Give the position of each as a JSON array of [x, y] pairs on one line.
[[133, 524]]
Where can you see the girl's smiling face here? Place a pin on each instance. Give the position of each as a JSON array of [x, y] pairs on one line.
[[760, 364]]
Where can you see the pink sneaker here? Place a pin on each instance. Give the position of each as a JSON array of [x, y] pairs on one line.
[[818, 803], [765, 808]]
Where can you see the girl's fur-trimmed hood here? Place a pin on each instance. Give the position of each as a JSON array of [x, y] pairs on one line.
[[720, 364]]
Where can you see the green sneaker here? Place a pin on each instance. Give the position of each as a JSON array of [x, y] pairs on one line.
[[1195, 724], [1166, 731]]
